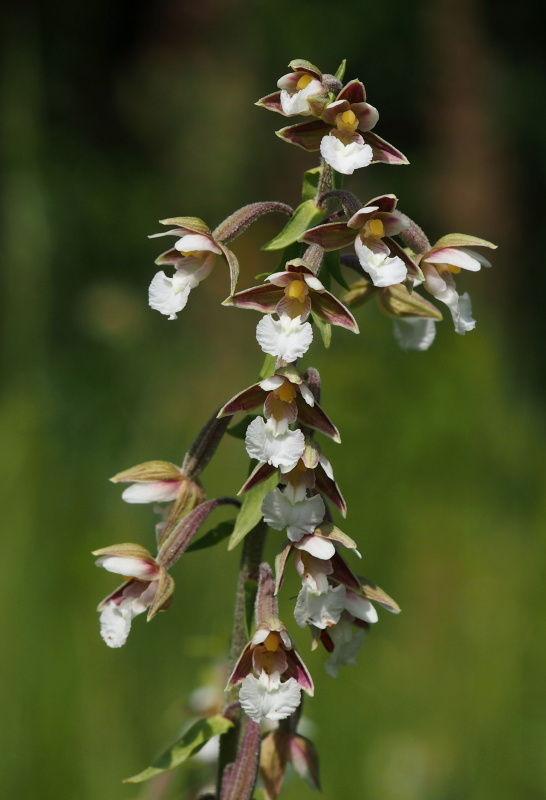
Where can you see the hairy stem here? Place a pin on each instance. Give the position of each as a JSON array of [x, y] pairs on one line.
[[230, 742]]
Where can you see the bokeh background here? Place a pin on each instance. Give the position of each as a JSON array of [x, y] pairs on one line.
[[117, 114]]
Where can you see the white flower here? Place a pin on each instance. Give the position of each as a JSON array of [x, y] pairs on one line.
[[347, 639], [170, 295], [299, 517], [345, 158], [285, 338], [261, 701], [382, 269], [442, 287], [414, 333], [116, 618], [119, 612], [296, 102], [151, 492], [322, 610], [282, 451]]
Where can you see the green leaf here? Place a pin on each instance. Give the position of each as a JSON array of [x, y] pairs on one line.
[[310, 183], [189, 743], [251, 510], [238, 431], [324, 327], [333, 266], [305, 216], [250, 590], [214, 536], [340, 71], [268, 368]]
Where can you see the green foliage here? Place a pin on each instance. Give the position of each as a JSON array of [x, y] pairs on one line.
[[325, 329], [251, 510], [184, 748], [238, 431], [305, 216], [214, 536]]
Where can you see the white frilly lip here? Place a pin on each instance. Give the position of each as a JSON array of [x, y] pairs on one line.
[[442, 287], [345, 158], [151, 492], [282, 451], [414, 333], [298, 518], [260, 701], [382, 269], [320, 610], [170, 295], [285, 338]]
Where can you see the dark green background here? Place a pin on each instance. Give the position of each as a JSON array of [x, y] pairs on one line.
[[117, 114]]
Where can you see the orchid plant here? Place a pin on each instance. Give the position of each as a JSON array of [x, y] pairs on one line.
[[291, 489]]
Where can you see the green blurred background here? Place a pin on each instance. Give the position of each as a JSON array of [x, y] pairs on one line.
[[117, 114]]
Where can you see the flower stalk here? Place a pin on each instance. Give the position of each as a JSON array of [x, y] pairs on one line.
[[290, 489]]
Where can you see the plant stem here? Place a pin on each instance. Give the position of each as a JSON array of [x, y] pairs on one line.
[[249, 570]]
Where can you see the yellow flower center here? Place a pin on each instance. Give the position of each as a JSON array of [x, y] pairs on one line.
[[286, 392], [303, 82], [447, 268], [300, 466], [297, 290], [347, 121], [194, 253], [272, 642], [375, 229]]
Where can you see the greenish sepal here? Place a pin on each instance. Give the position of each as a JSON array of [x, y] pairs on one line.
[[238, 431], [251, 510], [268, 368], [305, 216], [250, 590], [189, 743], [340, 71], [324, 327], [214, 536], [188, 223]]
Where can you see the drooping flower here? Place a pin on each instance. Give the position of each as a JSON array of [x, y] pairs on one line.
[[446, 258], [149, 587], [153, 482], [286, 397], [271, 673], [281, 451], [288, 509], [302, 91], [295, 293], [371, 230], [349, 119], [192, 257]]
